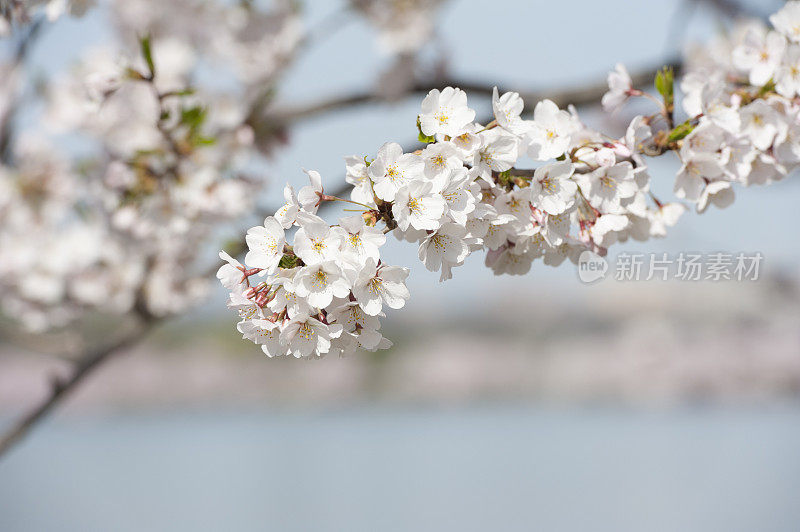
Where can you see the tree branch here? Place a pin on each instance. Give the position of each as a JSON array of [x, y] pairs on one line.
[[7, 121], [734, 8], [95, 357], [585, 95], [62, 387]]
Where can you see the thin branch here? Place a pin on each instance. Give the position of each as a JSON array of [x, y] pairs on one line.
[[584, 95], [20, 56], [62, 387], [733, 8]]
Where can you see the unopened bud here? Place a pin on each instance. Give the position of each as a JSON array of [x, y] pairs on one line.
[[262, 299], [251, 271], [370, 218]]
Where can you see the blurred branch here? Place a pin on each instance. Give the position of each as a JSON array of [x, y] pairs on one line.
[[20, 56], [61, 387], [733, 8], [578, 96]]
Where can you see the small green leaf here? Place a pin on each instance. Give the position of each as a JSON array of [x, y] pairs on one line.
[[134, 74], [288, 261], [147, 53], [422, 137], [680, 131], [193, 117], [665, 85], [233, 247], [204, 141], [767, 88]]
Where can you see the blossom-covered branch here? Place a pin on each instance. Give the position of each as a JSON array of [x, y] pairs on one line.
[[124, 225], [471, 189]]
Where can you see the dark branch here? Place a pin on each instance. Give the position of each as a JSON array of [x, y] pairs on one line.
[[7, 123], [733, 8], [61, 387], [578, 96]]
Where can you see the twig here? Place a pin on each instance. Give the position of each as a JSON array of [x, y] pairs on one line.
[[733, 8], [578, 96], [62, 387], [20, 55]]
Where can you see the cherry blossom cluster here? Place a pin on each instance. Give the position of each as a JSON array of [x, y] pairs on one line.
[[167, 153], [119, 232], [324, 293], [127, 223], [516, 189], [741, 99]]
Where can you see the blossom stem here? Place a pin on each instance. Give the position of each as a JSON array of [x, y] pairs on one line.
[[326, 197]]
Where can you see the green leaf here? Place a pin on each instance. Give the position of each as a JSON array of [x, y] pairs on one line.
[[193, 117], [665, 85], [134, 74], [204, 141], [288, 261], [767, 88], [147, 53], [422, 137], [680, 131], [233, 247]]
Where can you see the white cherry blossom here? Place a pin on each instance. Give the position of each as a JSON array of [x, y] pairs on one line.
[[320, 283], [759, 55], [357, 175], [550, 131], [445, 112], [606, 187], [310, 196], [314, 241], [507, 109], [306, 336], [552, 188], [265, 244], [392, 170], [498, 153], [287, 214], [787, 20], [445, 246], [418, 205], [379, 285], [620, 88]]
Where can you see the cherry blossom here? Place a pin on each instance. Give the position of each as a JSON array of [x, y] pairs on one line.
[[445, 112]]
